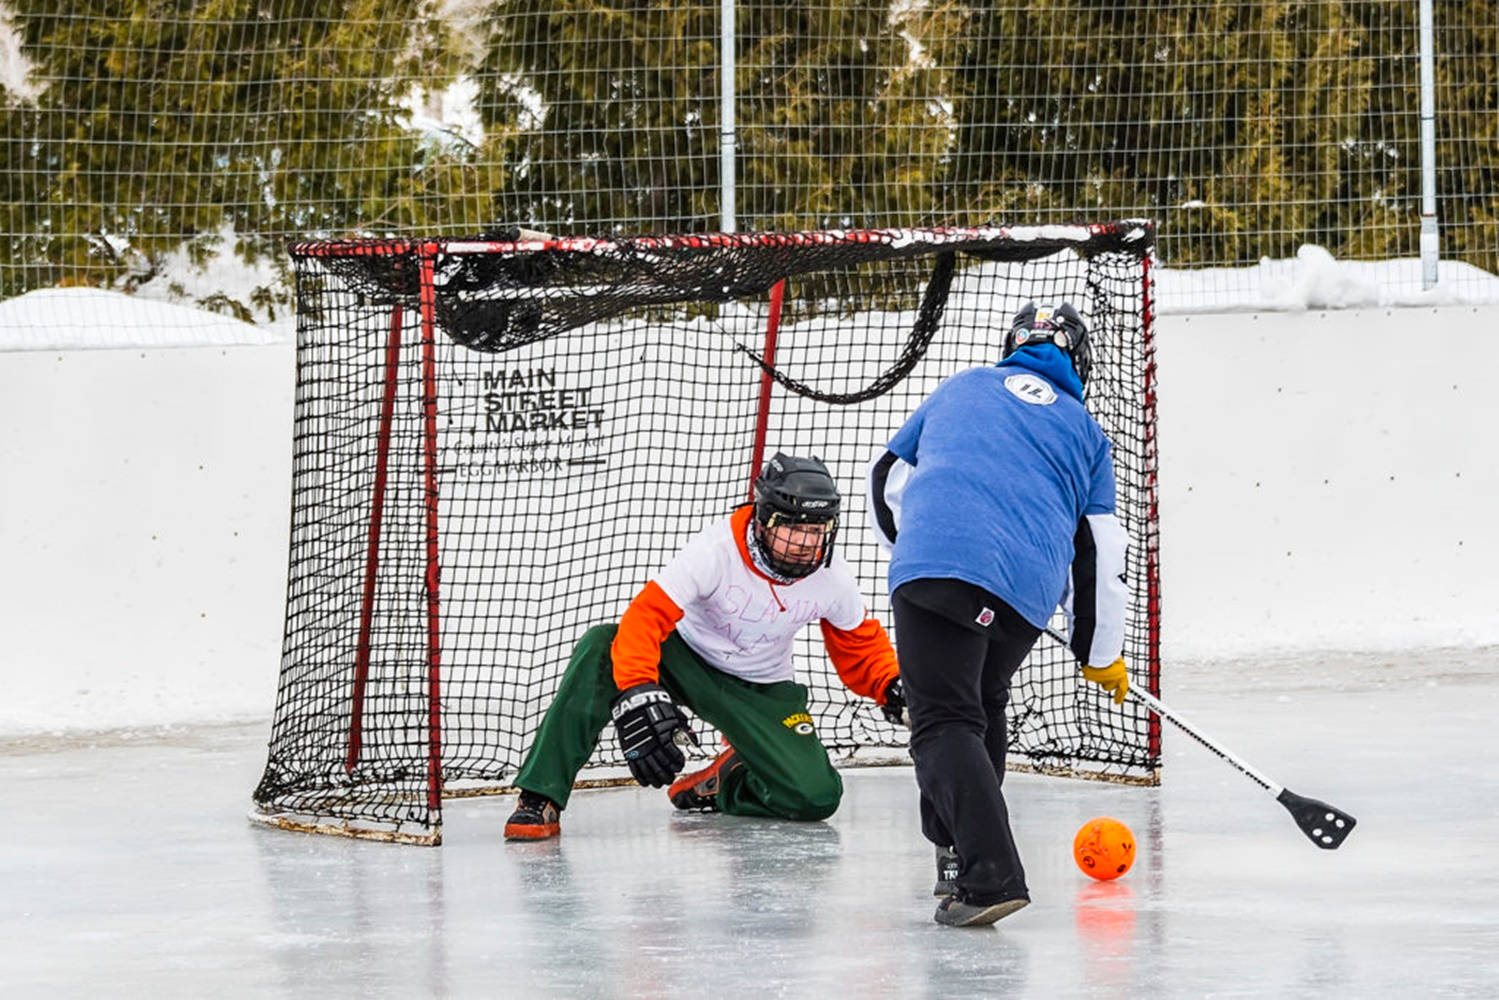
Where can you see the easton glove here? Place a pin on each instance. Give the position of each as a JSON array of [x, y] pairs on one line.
[[646, 720], [895, 705], [1111, 678]]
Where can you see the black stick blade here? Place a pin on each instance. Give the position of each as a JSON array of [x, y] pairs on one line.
[[1324, 825]]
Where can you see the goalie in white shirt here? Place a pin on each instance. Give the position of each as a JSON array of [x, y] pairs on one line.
[[713, 630]]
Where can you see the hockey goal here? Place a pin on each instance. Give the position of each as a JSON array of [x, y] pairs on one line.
[[498, 441]]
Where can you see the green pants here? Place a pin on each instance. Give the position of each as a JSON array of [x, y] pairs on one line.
[[786, 772]]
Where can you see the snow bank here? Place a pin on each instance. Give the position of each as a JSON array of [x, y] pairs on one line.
[[70, 319]]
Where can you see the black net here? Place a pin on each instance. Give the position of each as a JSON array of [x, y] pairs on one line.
[[580, 409]]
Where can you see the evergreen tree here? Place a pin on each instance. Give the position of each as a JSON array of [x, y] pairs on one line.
[[161, 121], [1467, 78], [1244, 127], [842, 117], [1225, 121], [610, 114], [604, 113]]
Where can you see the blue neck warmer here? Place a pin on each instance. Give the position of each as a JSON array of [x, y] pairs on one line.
[[1048, 361]]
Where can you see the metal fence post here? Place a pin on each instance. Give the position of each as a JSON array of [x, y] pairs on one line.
[[1430, 240], [727, 138]]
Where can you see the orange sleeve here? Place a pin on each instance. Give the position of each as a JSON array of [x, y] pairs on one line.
[[643, 627], [863, 657]]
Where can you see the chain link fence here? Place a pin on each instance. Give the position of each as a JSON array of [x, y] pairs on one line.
[[171, 148]]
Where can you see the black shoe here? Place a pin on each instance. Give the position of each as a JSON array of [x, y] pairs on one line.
[[956, 912], [536, 817], [947, 872]]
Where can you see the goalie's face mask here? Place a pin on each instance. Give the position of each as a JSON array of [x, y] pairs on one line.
[[1059, 325], [797, 548], [796, 516]]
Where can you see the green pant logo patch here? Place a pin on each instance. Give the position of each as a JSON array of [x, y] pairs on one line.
[[800, 723]]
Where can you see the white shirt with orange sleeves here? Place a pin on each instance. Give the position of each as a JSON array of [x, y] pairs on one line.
[[743, 623]]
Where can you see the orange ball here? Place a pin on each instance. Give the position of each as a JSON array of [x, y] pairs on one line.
[[1104, 848]]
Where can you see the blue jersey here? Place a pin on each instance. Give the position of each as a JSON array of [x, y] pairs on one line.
[[1006, 464]]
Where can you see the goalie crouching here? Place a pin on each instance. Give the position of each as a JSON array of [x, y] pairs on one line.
[[713, 630]]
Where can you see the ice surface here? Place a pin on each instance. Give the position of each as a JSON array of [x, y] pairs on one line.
[[130, 870]]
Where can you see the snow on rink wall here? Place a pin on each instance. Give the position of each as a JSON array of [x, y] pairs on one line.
[[1327, 479]]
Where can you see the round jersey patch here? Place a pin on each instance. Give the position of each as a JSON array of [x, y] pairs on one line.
[[1031, 389]]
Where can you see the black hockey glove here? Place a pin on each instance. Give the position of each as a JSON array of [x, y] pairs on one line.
[[895, 705], [646, 720]]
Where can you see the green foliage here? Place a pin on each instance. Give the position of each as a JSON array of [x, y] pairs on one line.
[[840, 120], [831, 124], [162, 122], [604, 113], [1467, 72], [1244, 127]]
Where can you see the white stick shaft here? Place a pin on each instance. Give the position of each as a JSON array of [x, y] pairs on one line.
[[1159, 707]]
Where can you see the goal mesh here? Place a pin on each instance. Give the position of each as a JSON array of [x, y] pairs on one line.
[[497, 442]]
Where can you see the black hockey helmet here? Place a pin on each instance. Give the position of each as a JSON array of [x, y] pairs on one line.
[[1057, 324], [794, 490]]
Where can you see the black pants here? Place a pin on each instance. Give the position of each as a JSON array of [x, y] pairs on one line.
[[956, 663]]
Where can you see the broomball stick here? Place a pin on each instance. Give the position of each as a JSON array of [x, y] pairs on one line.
[[1325, 825]]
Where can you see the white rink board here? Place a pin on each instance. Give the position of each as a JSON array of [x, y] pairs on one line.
[[1326, 483], [1327, 480]]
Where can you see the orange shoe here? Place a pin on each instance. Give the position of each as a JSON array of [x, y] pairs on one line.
[[536, 817], [699, 790]]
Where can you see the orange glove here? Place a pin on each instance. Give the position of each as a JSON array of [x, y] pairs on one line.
[[1111, 678]]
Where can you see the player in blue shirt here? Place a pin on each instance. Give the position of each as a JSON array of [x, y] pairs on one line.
[[996, 501]]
